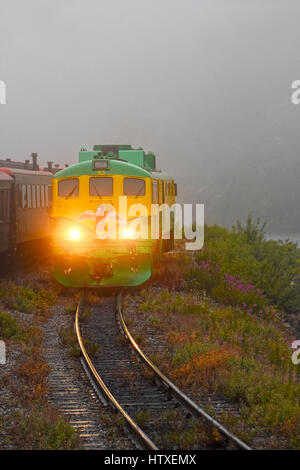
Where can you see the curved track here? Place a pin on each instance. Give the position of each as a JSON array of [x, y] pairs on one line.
[[120, 382]]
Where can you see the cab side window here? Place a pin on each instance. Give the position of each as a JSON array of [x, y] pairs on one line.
[[154, 191], [162, 192], [49, 195]]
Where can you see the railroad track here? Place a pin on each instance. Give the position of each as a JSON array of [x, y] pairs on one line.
[[151, 406]]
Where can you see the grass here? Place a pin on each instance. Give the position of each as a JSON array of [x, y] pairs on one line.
[[41, 430], [142, 417], [195, 434], [245, 252], [26, 299], [233, 342], [115, 423], [33, 372], [68, 338], [223, 349], [173, 272], [8, 326], [85, 313], [36, 424], [71, 309]]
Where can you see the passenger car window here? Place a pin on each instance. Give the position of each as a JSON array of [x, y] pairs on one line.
[[68, 188], [2, 205], [42, 195], [38, 196], [24, 197], [133, 187], [33, 198], [101, 186], [18, 196], [29, 196]]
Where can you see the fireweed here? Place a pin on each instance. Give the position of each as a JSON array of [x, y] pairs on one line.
[[229, 289], [245, 251]]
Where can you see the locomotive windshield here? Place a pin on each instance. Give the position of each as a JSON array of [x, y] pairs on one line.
[[68, 188], [101, 186]]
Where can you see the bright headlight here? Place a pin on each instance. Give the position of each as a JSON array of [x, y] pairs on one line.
[[127, 233], [74, 234]]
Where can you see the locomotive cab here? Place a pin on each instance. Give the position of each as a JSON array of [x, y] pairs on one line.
[[93, 214]]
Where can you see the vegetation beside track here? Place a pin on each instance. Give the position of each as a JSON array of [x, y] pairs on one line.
[[27, 419], [203, 346], [221, 329], [26, 298], [270, 269], [69, 339]]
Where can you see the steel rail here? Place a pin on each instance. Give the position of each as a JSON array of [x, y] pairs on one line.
[[142, 439], [181, 397]]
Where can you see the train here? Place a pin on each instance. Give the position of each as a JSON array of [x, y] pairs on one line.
[[25, 205], [25, 200], [89, 195]]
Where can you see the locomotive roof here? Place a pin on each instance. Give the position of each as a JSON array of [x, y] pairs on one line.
[[116, 167], [160, 175]]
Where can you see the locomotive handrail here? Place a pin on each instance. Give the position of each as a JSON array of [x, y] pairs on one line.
[[139, 435], [181, 397]]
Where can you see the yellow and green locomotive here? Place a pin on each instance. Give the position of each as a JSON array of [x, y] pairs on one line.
[[102, 217]]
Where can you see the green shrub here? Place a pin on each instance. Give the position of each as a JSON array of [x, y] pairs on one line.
[[25, 299], [8, 326], [184, 353], [37, 431], [68, 338], [142, 417], [245, 253]]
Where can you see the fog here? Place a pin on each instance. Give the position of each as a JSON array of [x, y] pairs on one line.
[[206, 85]]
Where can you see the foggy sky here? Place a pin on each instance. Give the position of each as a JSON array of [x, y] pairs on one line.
[[206, 85]]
